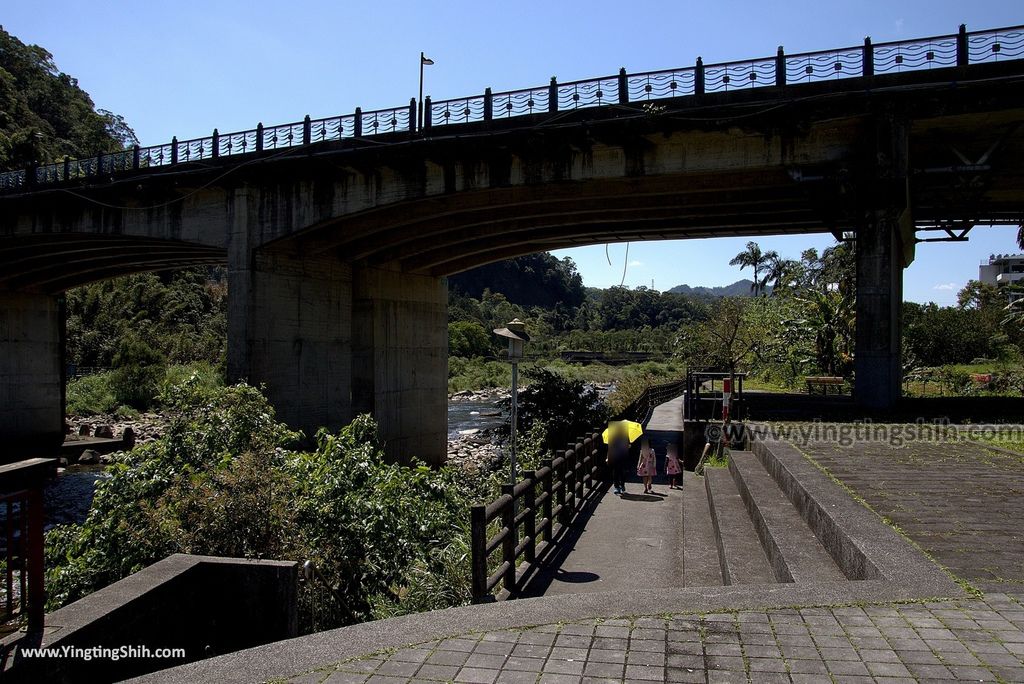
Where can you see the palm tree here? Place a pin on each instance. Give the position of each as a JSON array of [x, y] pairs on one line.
[[753, 256], [782, 273]]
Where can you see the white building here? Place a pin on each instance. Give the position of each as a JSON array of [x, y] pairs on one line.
[[1002, 270]]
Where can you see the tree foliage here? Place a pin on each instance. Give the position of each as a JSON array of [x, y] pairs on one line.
[[223, 481], [45, 115], [182, 315], [534, 280]]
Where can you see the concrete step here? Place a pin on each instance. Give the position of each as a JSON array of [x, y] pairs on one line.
[[795, 554], [701, 567], [740, 555]]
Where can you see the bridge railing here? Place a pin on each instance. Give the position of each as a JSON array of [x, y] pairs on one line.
[[512, 534], [958, 49]]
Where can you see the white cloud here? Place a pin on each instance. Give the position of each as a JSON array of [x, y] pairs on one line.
[[635, 263], [945, 286]]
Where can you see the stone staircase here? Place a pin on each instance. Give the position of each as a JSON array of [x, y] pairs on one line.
[[740, 527]]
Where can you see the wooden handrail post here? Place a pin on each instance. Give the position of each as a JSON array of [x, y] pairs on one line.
[[548, 503], [563, 509], [508, 545], [581, 474], [570, 482], [530, 521], [478, 547]]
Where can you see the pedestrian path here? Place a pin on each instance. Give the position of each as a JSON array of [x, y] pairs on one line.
[[633, 541], [667, 417]]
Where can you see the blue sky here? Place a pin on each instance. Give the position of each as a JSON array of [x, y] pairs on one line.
[[184, 67]]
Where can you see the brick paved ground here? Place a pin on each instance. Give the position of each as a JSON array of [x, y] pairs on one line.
[[961, 502], [970, 639]]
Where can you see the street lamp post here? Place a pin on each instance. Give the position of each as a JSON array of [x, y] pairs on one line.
[[424, 61], [515, 332]]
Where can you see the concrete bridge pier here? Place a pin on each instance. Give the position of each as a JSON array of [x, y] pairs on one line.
[[885, 245], [879, 312], [289, 329], [329, 341], [400, 359], [31, 374]]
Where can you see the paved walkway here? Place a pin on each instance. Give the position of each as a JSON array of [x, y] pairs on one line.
[[668, 416], [626, 542], [976, 640], [961, 502]]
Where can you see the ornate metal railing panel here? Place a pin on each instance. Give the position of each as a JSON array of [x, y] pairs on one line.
[[915, 55], [591, 93], [826, 65], [959, 49], [658, 85], [521, 102], [736, 75], [992, 46]]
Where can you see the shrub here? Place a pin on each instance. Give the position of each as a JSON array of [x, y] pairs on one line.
[[90, 395], [554, 409], [138, 369], [386, 539]]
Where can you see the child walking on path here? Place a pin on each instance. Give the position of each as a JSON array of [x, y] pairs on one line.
[[646, 467], [672, 467]]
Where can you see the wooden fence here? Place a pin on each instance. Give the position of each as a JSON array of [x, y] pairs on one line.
[[529, 517]]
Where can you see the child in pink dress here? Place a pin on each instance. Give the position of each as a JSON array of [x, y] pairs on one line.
[[672, 467], [646, 467]]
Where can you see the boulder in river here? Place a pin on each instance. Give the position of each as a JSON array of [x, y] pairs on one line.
[[89, 457]]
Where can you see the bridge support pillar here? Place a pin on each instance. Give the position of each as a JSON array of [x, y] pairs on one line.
[[879, 312], [400, 359], [31, 374], [289, 327], [884, 246]]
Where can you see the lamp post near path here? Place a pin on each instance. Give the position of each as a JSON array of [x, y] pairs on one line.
[[515, 332]]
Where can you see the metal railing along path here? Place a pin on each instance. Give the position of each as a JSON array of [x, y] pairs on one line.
[[954, 50]]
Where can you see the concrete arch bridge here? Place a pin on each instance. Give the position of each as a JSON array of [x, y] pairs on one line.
[[338, 233]]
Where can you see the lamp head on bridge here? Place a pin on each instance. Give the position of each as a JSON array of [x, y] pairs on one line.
[[515, 331]]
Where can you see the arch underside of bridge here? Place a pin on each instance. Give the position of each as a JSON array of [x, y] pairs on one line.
[[54, 262]]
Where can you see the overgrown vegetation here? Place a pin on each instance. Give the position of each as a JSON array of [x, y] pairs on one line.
[[224, 480]]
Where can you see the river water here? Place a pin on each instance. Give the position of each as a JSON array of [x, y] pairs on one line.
[[69, 496]]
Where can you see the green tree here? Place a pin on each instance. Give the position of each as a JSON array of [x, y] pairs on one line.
[[758, 261], [44, 115], [138, 369], [468, 339]]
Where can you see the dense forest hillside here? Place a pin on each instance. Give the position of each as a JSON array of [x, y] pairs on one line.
[[45, 115]]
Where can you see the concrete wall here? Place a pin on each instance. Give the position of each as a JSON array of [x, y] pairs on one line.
[[31, 374], [208, 606]]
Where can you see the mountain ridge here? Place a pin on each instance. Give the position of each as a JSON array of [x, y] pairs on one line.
[[741, 288]]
